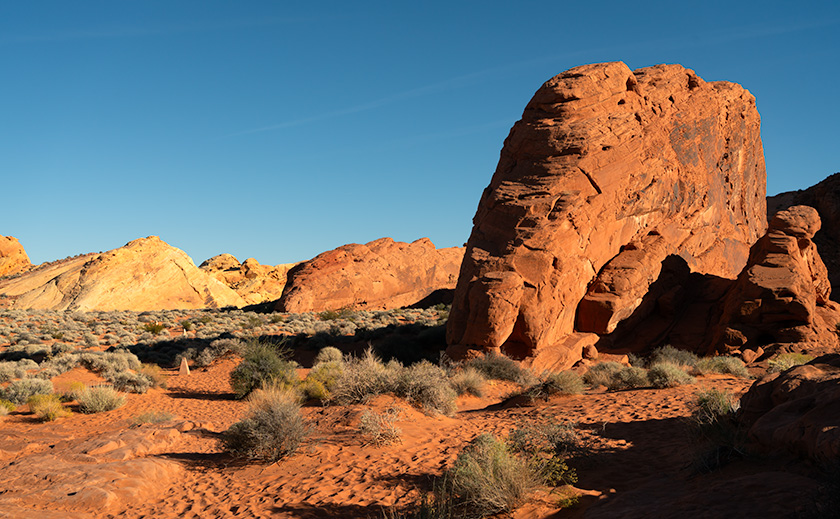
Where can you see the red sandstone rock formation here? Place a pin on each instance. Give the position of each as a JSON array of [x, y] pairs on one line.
[[797, 410], [825, 198], [145, 274], [782, 294], [253, 282], [381, 274], [13, 258], [607, 173]]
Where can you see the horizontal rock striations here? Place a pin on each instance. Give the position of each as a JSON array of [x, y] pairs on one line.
[[382, 274], [145, 274], [608, 172]]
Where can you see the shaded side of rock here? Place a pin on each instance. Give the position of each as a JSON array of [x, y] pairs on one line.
[[381, 274]]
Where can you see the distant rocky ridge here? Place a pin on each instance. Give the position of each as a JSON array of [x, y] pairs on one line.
[[145, 274], [378, 275], [13, 259], [608, 174], [253, 282]]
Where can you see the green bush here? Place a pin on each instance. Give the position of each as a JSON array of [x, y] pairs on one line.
[[6, 407], [47, 407], [261, 365], [628, 378], [785, 361], [602, 373], [19, 391], [322, 379], [665, 374], [499, 367], [99, 399], [154, 328], [489, 479], [468, 381], [273, 427], [723, 365]]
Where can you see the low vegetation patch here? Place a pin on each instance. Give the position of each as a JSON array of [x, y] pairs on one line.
[[99, 399], [672, 355], [499, 367], [468, 381], [562, 383], [628, 377], [272, 429], [724, 365], [19, 391], [602, 373], [380, 428], [721, 438], [153, 417], [47, 407], [785, 361], [665, 374], [262, 364]]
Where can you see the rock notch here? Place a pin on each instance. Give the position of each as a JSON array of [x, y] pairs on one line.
[[145, 274], [13, 259], [255, 283], [382, 274], [608, 172]]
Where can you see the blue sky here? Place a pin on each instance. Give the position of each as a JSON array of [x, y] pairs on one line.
[[278, 130]]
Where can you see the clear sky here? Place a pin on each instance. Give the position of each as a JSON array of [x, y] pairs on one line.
[[279, 130]]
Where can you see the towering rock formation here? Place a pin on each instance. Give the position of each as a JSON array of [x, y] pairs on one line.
[[825, 198], [379, 275], [145, 274], [607, 174], [253, 282], [13, 259]]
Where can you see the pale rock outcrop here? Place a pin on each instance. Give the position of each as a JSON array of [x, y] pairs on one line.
[[145, 274], [382, 274], [255, 283], [608, 172], [13, 258]]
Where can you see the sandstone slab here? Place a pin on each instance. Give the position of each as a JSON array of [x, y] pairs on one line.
[[13, 258]]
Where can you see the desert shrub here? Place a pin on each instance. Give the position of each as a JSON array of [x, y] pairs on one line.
[[6, 407], [98, 399], [329, 354], [109, 361], [186, 324], [561, 383], [785, 361], [426, 385], [602, 373], [313, 389], [364, 378], [47, 407], [721, 437], [628, 377], [19, 391], [334, 315], [665, 374], [152, 417], [272, 429], [468, 381], [154, 328], [489, 479], [499, 367], [672, 355], [724, 365], [74, 390], [548, 445], [380, 428], [327, 373], [262, 364], [130, 382]]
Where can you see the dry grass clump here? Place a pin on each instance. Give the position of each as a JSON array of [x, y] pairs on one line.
[[720, 435], [364, 378], [550, 384], [499, 367], [6, 407], [602, 373], [19, 391], [665, 374], [548, 445], [152, 417], [273, 427], [322, 380], [488, 478], [380, 428], [468, 381], [785, 361], [671, 355], [628, 377], [427, 386], [48, 407], [99, 399], [724, 365], [262, 364]]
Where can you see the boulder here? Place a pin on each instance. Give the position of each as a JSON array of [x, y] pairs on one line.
[[608, 173], [777, 296], [145, 274], [825, 198], [798, 409], [13, 259], [382, 274], [255, 283]]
